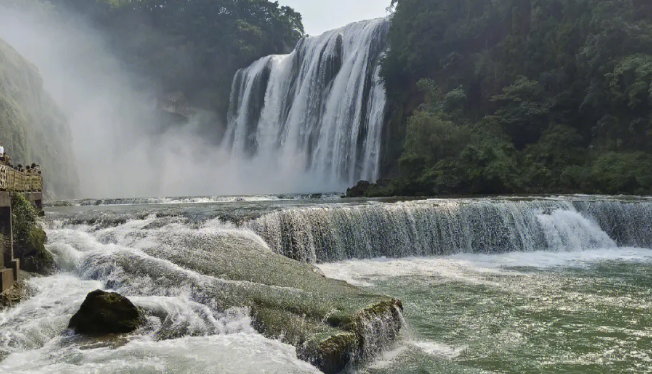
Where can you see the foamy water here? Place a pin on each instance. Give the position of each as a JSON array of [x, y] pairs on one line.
[[504, 269], [470, 267], [181, 335], [34, 338]]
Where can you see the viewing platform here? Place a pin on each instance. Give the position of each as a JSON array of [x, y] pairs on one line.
[[13, 180]]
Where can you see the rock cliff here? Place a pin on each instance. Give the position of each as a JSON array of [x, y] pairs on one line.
[[32, 129]]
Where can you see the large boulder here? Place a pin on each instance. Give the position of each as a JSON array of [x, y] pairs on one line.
[[104, 313]]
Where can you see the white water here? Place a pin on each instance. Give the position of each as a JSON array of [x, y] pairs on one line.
[[471, 268], [314, 116], [184, 333], [197, 199], [476, 240], [569, 230], [442, 227]]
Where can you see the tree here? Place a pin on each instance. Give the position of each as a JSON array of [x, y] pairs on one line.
[[552, 96]]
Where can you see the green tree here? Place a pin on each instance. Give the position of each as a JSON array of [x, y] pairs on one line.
[[552, 96]]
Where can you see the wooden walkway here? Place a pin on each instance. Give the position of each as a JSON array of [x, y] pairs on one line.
[[29, 183]]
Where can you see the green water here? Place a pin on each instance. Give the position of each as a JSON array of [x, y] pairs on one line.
[[465, 318]]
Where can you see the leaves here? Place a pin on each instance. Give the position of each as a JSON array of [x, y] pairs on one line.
[[189, 46], [551, 96]]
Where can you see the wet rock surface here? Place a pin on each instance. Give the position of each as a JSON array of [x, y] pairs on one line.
[[333, 324], [30, 238], [104, 313]]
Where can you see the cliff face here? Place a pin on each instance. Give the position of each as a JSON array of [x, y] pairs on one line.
[[32, 129]]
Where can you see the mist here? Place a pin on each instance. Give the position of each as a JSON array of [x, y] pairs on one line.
[[122, 147]]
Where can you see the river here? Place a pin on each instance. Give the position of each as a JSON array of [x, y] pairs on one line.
[[536, 284]]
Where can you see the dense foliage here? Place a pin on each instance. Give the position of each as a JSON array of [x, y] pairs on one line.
[[511, 96], [189, 48]]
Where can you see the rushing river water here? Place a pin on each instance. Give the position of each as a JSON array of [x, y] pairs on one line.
[[537, 285]]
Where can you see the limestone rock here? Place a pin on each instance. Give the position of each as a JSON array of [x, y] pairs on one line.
[[334, 325], [33, 128], [42, 263], [104, 313]]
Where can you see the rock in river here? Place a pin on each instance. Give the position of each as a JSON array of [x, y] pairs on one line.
[[104, 313]]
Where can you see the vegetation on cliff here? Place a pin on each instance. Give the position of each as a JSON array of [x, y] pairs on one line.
[[519, 96], [31, 127], [186, 50]]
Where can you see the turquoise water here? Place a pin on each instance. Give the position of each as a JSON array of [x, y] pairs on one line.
[[570, 312], [547, 285]]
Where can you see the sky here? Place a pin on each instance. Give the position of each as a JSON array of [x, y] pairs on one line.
[[323, 15]]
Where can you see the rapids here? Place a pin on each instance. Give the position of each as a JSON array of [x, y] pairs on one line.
[[477, 277], [325, 233]]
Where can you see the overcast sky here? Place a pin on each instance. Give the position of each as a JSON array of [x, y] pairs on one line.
[[324, 15]]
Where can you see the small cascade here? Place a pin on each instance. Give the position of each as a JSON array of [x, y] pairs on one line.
[[569, 230], [317, 113], [629, 223], [438, 227], [379, 330]]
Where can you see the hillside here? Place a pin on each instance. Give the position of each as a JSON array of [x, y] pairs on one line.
[[31, 127], [519, 96], [186, 49]]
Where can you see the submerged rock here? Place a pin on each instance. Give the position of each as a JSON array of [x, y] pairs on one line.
[[104, 313], [19, 292]]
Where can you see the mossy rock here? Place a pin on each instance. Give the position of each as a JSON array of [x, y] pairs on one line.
[[104, 313], [41, 263], [334, 325], [359, 337], [326, 319], [29, 238]]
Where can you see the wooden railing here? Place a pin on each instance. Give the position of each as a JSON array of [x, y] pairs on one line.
[[20, 181]]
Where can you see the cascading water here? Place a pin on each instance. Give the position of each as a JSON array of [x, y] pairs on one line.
[[188, 329], [436, 227], [316, 114], [169, 257]]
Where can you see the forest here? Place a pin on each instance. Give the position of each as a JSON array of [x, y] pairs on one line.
[[182, 48], [483, 97], [518, 96]]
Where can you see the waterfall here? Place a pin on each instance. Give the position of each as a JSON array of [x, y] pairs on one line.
[[317, 113], [569, 230], [438, 227]]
